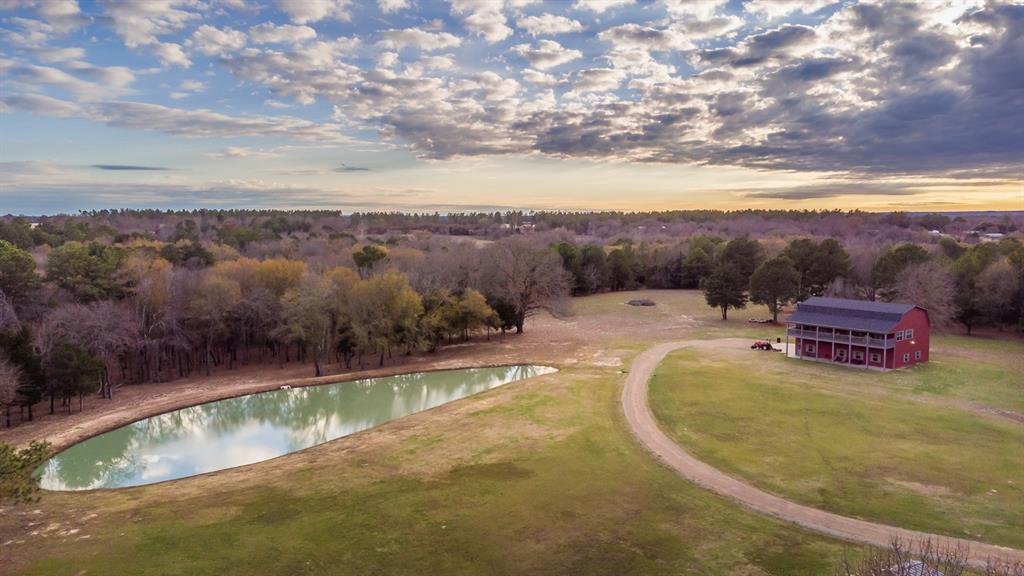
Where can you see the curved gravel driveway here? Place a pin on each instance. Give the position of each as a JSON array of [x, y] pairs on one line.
[[641, 422]]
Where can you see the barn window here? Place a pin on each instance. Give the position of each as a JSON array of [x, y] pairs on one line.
[[917, 354], [908, 334], [906, 357], [876, 357], [899, 336], [810, 348], [858, 355]]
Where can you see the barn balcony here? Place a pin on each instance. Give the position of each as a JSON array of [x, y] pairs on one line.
[[830, 335]]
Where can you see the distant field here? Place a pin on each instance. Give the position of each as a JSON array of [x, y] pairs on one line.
[[897, 447], [677, 314]]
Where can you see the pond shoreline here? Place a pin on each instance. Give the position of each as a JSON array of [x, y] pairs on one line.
[[137, 402], [245, 430]]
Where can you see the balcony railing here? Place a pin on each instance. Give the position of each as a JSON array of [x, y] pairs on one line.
[[828, 336]]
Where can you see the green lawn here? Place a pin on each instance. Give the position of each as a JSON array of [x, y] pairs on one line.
[[540, 477], [980, 370], [543, 477], [806, 431]]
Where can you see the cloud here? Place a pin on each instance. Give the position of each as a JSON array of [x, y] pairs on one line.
[[242, 152], [62, 189], [308, 11], [697, 9], [645, 37], [208, 124], [141, 23], [418, 39], [302, 73], [598, 80], [774, 44], [171, 54], [215, 42], [485, 18], [387, 59], [392, 6], [52, 55], [548, 25], [127, 167], [859, 88], [87, 83], [270, 33], [773, 9], [538, 78], [178, 121], [711, 27], [61, 16], [346, 168], [426, 63], [187, 88], [600, 6], [41, 105], [546, 54]]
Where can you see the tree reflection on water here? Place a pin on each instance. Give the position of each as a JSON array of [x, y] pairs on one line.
[[249, 429]]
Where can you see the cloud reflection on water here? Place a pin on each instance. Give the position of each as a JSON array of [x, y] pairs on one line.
[[249, 429]]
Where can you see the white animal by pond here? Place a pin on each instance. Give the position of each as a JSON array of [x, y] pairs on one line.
[[286, 387]]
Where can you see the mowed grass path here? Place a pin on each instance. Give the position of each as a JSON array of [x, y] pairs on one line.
[[804, 431], [538, 477]]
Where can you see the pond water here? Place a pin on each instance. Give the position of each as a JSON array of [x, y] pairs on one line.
[[248, 429]]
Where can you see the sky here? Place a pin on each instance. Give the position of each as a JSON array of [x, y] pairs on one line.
[[454, 105]]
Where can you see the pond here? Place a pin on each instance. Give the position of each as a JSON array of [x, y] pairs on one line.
[[248, 429]]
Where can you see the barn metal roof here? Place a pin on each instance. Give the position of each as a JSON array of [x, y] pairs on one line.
[[859, 315]]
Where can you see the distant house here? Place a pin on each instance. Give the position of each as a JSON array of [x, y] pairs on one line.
[[975, 236], [876, 335]]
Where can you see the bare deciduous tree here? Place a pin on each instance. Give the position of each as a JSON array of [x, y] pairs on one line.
[[929, 285], [529, 278], [923, 558]]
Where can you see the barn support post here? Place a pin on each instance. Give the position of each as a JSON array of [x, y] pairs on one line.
[[885, 352]]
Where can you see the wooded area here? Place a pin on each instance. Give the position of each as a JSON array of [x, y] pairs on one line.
[[98, 300]]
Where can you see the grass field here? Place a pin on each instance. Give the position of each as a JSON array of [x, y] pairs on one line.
[[539, 478], [543, 477], [852, 442]]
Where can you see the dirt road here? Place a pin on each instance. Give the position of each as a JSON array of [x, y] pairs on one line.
[[641, 422]]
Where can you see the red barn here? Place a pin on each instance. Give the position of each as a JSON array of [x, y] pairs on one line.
[[875, 335]]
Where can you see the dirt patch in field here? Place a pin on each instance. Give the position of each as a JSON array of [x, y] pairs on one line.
[[930, 490]]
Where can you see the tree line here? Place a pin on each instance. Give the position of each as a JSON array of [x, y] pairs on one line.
[[241, 227], [979, 285], [99, 315], [86, 306]]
